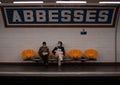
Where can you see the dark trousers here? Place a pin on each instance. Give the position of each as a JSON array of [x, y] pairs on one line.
[[45, 59]]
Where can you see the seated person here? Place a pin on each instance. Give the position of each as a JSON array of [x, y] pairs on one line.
[[59, 51], [44, 53]]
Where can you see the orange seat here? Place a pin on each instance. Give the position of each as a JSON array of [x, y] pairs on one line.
[[75, 53], [28, 53], [91, 53]]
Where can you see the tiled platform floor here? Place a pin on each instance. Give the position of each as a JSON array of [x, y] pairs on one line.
[[67, 73]]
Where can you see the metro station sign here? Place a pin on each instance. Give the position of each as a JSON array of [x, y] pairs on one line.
[[60, 16]]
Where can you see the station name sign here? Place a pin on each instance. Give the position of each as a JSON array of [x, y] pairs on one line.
[[60, 16]]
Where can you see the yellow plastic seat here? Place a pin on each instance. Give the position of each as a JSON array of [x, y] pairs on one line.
[[91, 53], [28, 54], [75, 53]]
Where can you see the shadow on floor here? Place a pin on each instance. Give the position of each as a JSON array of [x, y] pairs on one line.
[[61, 80]]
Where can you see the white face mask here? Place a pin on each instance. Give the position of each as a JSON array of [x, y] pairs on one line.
[[59, 44], [44, 45]]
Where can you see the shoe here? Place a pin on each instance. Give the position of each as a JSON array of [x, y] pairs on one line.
[[46, 64], [61, 61]]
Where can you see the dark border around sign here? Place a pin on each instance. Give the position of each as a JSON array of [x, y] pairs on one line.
[[64, 26]]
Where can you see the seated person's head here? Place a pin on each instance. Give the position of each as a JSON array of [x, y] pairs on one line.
[[44, 43], [59, 43]]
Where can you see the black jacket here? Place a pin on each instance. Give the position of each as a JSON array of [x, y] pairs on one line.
[[43, 49], [62, 49]]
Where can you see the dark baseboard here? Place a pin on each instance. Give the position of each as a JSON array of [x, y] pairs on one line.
[[64, 63]]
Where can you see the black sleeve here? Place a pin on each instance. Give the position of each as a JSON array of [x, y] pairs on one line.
[[53, 51], [63, 51]]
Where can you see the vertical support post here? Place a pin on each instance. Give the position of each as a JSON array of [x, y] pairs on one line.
[[116, 29]]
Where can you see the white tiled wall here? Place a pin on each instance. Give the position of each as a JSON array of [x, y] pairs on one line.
[[14, 40]]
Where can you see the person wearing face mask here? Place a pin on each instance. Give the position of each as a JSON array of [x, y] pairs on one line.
[[59, 52], [44, 53]]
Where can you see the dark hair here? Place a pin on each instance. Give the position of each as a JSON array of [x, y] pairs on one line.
[[44, 43], [60, 42]]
